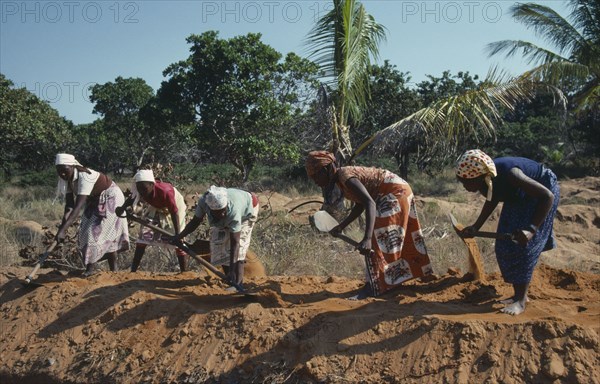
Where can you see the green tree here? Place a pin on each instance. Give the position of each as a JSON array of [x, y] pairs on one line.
[[572, 63], [95, 146], [391, 99], [535, 130], [120, 103], [241, 96], [342, 42], [448, 125], [575, 64], [438, 88], [31, 131]]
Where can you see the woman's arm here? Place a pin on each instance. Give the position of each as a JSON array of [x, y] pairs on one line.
[[189, 228], [368, 205], [175, 219], [69, 205], [234, 249], [545, 198], [532, 188], [486, 211], [71, 214]]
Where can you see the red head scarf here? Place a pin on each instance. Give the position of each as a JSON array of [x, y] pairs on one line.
[[316, 160]]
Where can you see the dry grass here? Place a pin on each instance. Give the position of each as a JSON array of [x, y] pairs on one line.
[[285, 246]]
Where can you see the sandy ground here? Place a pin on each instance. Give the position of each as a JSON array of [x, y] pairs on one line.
[[184, 328]]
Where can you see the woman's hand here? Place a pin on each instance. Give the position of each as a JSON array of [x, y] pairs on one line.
[[364, 247], [60, 236], [337, 230], [469, 231], [119, 211], [523, 236]]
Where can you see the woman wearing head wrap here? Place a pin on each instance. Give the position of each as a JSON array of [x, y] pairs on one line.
[[231, 216], [162, 203], [101, 233], [530, 194], [393, 242]]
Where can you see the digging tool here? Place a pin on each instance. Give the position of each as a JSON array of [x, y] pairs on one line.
[[490, 235], [187, 249], [325, 223], [475, 263], [39, 263]]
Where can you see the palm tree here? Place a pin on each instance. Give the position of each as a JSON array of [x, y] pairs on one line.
[[442, 128], [342, 43], [575, 62]]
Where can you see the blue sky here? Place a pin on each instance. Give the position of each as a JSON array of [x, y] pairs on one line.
[[57, 49]]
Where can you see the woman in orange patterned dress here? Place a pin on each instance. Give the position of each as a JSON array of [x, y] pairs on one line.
[[393, 243]]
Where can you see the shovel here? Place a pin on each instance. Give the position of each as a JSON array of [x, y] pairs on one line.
[[186, 248], [475, 263], [38, 265], [490, 235], [325, 223]]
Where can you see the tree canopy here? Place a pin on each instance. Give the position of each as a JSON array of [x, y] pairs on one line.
[[31, 131], [241, 96]]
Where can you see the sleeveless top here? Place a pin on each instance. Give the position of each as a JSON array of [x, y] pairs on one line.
[[502, 190]]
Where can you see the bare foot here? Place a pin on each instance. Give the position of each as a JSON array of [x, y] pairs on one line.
[[510, 300], [89, 273], [362, 294], [514, 309]]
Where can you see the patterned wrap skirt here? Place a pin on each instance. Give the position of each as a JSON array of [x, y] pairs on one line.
[[101, 231], [515, 261], [220, 242], [399, 252], [162, 219]]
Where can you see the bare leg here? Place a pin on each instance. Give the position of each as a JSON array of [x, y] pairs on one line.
[[239, 272], [112, 261], [137, 257], [183, 259], [520, 300], [90, 269]]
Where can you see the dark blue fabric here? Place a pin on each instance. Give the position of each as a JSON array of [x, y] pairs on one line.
[[502, 190], [516, 262]]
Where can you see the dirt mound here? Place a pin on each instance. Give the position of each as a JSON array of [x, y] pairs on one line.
[[184, 328], [25, 231]]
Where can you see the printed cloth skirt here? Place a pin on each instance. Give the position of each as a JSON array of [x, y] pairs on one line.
[[101, 231], [399, 252], [516, 262], [220, 242], [162, 219]]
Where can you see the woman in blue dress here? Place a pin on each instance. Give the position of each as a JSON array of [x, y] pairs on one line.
[[530, 194]]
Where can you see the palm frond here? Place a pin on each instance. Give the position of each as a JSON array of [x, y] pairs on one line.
[[531, 52], [343, 42], [577, 63], [585, 16], [549, 25], [559, 73], [475, 114]]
